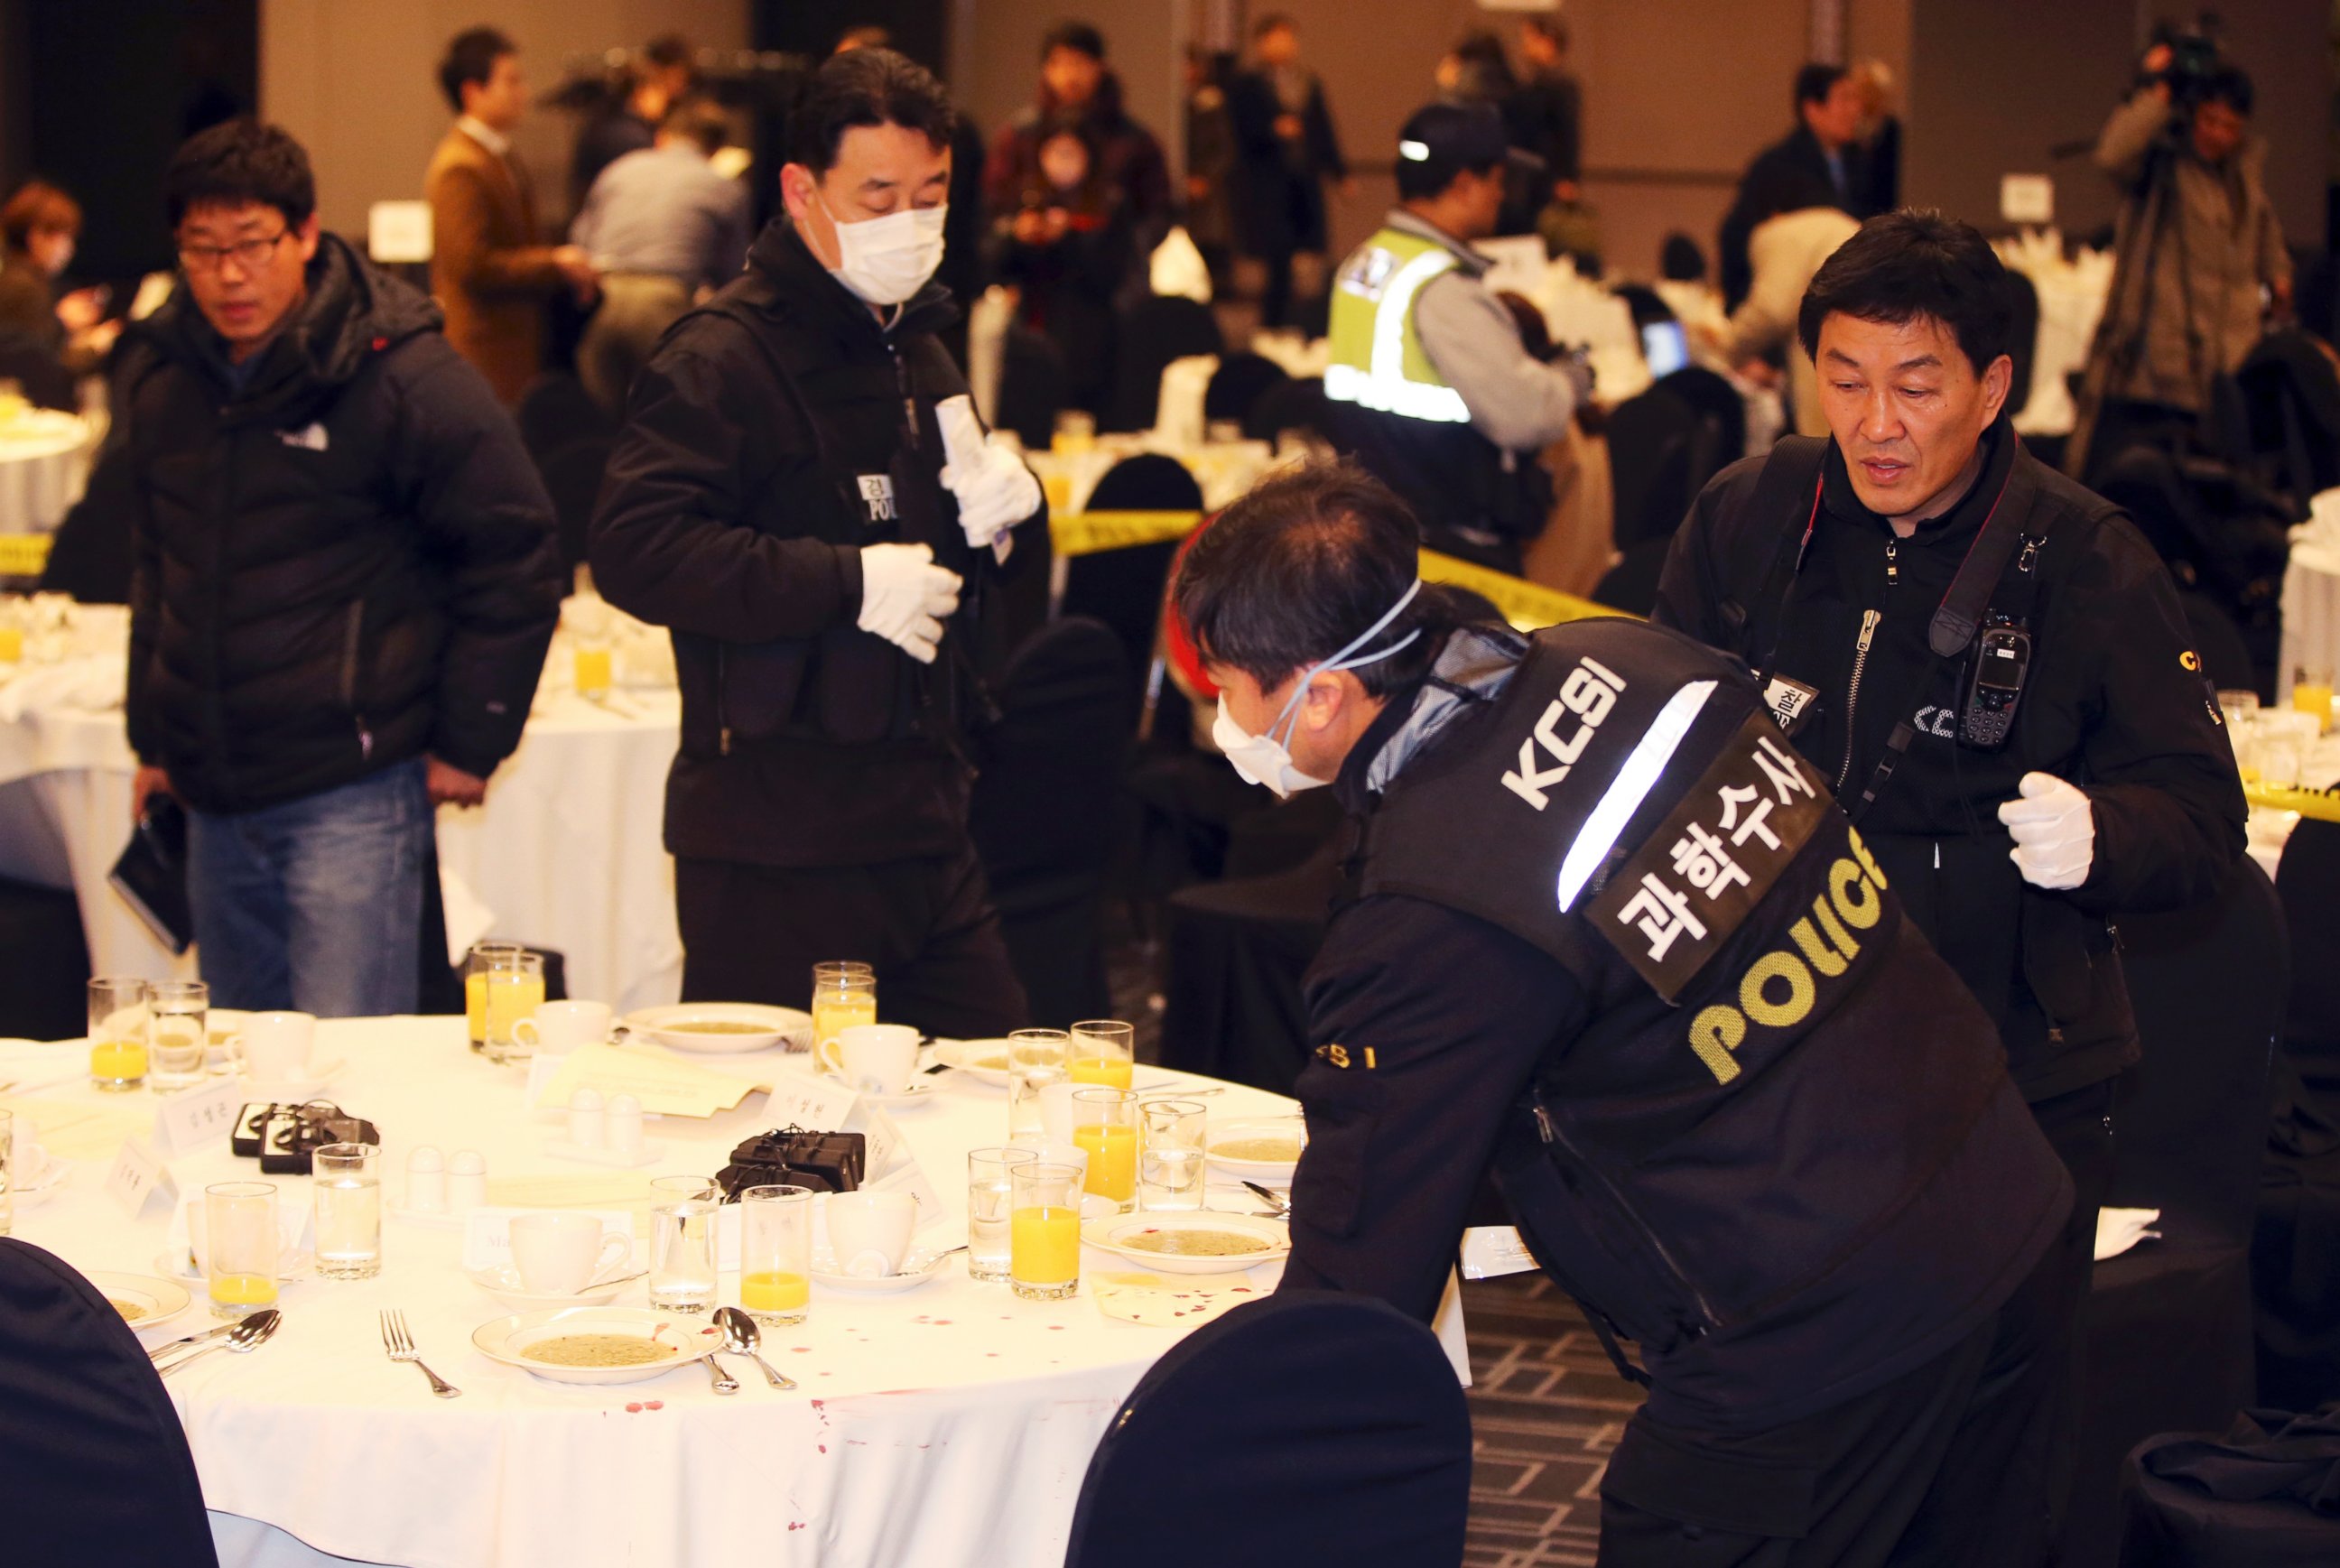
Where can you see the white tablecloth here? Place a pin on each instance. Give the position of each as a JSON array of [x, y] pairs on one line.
[[949, 1426], [43, 464], [566, 854]]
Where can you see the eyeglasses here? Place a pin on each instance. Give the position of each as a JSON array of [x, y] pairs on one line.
[[247, 255]]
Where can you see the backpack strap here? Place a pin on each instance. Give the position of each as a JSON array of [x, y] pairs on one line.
[[1771, 546]]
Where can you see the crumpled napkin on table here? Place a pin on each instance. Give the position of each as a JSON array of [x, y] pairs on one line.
[[92, 685]]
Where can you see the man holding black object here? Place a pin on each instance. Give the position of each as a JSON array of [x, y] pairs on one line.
[[1988, 663], [802, 492], [1609, 935]]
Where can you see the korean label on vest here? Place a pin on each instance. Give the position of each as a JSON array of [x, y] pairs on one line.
[[877, 496], [1680, 896]]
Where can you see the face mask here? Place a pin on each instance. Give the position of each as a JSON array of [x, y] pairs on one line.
[[1263, 759], [886, 259]]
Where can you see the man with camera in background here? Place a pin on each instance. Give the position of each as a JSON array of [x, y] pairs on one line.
[[2200, 255]]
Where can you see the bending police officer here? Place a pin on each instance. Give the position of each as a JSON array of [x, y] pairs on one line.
[[1609, 936]]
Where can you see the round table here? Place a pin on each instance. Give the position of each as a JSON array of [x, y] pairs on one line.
[[44, 465], [566, 854], [2311, 612], [951, 1424]]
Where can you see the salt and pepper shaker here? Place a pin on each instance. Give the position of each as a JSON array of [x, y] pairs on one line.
[[625, 1126], [426, 1181], [586, 1127], [467, 1180]]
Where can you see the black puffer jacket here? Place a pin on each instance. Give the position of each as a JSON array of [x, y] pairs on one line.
[[346, 564]]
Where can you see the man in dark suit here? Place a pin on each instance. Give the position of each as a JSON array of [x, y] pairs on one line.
[[1816, 165], [1288, 148], [490, 275]]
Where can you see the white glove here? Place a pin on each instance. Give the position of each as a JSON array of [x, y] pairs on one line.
[[2054, 830], [906, 597], [995, 489]]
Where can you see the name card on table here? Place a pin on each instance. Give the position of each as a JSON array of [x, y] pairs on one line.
[[666, 1086], [912, 1179], [816, 1105], [881, 1138], [191, 1117], [1491, 1251], [137, 1176]]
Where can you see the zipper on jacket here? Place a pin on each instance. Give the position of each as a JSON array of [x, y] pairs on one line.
[[1548, 1129], [1869, 620], [1892, 562], [352, 636]]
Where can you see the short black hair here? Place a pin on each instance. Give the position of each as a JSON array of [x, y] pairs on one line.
[[2230, 85], [1303, 564], [867, 87], [239, 161], [699, 118], [669, 50], [471, 58], [1551, 27], [1082, 37], [1680, 260], [1274, 22], [1911, 263], [1815, 82], [1422, 180]]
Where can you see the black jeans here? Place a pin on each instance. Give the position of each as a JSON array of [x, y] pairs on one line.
[[2079, 1126], [753, 933]]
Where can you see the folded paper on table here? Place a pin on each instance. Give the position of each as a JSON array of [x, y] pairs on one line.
[[1492, 1251], [75, 1131], [2119, 1229], [666, 1086]]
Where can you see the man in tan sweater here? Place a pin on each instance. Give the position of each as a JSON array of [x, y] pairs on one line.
[[491, 277]]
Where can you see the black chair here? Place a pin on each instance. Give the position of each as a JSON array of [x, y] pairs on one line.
[[2022, 338], [1238, 384], [1124, 588], [2168, 1322], [1298, 405], [1652, 442], [572, 477], [1309, 1428], [2307, 880], [2288, 439], [1631, 585], [43, 962], [94, 1469], [2296, 1247], [1154, 332], [556, 411], [2261, 1497], [1722, 419], [1044, 808], [1233, 956], [1033, 387], [38, 373]]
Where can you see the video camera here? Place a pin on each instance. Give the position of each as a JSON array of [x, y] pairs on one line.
[[2195, 60]]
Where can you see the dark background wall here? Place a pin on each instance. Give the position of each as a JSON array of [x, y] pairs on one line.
[[811, 26]]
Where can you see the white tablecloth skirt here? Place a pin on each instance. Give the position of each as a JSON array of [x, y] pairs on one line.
[[43, 466]]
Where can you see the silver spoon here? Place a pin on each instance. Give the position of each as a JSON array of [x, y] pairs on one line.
[[245, 1336], [724, 1382], [741, 1337], [1269, 1195]]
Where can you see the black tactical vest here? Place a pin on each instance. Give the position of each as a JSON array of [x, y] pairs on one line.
[[1783, 1090]]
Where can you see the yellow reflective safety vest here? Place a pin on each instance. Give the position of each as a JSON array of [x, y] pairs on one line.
[[1377, 358]]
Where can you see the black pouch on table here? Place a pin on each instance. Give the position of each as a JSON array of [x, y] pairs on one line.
[[791, 1156], [294, 1133]]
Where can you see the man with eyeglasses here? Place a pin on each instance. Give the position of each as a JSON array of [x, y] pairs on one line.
[[343, 582]]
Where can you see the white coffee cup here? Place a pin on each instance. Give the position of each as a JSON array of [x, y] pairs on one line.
[[560, 1027], [275, 1045], [876, 1058], [562, 1254], [870, 1232]]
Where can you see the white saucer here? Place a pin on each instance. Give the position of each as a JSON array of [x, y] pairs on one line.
[[921, 1091], [1268, 1173], [33, 1191], [983, 1061], [786, 1026], [503, 1283], [1124, 1236], [919, 1265], [293, 1091], [504, 1338], [184, 1267]]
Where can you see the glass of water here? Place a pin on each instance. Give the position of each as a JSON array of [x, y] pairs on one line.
[[175, 1033], [1170, 1153], [1036, 1058], [989, 1194], [348, 1189], [682, 1244]]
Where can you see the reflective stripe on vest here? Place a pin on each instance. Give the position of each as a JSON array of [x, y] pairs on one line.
[[1377, 361]]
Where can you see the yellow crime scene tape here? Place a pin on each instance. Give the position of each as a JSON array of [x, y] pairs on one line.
[[2324, 805], [1524, 604], [23, 554]]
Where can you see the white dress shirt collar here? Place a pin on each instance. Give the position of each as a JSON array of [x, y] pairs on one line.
[[486, 135]]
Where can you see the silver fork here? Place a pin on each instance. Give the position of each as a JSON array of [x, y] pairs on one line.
[[401, 1346]]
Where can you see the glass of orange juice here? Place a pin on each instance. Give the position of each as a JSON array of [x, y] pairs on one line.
[[591, 661], [776, 1253], [1104, 1123], [476, 965], [513, 985], [1102, 1052], [117, 1032], [844, 995], [1043, 1231], [2311, 692], [239, 1246]]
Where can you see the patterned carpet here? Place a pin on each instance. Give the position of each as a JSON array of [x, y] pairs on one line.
[[1546, 1408]]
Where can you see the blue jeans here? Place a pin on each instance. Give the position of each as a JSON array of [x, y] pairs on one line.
[[316, 904]]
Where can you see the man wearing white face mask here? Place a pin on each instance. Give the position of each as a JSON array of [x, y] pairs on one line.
[[803, 493]]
